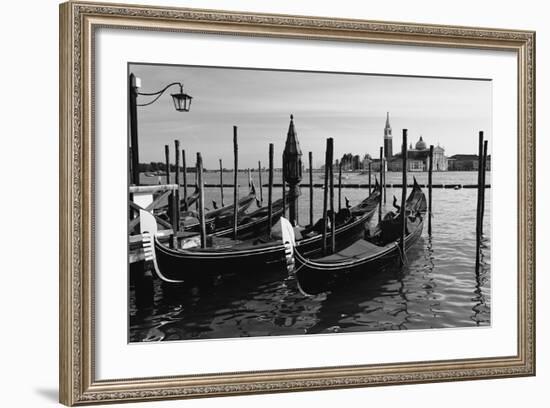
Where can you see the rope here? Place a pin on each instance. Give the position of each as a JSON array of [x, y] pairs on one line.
[[402, 254], [296, 270], [295, 255]]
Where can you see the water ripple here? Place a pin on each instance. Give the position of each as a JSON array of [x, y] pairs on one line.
[[439, 288]]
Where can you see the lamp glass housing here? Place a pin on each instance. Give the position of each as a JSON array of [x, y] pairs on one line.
[[182, 101]]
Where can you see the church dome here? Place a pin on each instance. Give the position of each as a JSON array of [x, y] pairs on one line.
[[421, 144]]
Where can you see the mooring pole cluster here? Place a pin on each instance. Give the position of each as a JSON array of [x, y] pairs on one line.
[[292, 175]]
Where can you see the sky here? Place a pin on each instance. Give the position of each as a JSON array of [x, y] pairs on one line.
[[351, 108]]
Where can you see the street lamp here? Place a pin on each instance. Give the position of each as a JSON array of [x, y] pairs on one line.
[[182, 103]]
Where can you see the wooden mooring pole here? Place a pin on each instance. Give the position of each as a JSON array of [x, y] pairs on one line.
[[430, 171], [284, 191], [174, 219], [370, 167], [479, 197], [172, 204], [184, 165], [235, 182], [249, 178], [221, 183], [177, 177], [340, 187], [325, 196], [260, 181], [134, 156], [483, 175], [167, 162], [310, 188], [200, 182], [381, 181], [270, 190], [332, 212], [404, 197], [384, 178]]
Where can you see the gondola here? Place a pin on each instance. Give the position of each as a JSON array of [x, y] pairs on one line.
[[162, 210], [224, 256], [221, 218], [350, 226], [252, 224], [364, 256]]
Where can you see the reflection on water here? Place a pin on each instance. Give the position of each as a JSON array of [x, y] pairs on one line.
[[438, 288]]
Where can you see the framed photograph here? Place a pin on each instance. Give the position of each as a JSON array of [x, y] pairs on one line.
[[256, 203]]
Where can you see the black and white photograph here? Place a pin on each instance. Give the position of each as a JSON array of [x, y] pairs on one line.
[[284, 203]]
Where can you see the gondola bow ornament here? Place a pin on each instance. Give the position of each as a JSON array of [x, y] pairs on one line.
[[289, 241]]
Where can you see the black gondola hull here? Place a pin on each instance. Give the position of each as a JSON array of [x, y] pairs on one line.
[[313, 280], [204, 266]]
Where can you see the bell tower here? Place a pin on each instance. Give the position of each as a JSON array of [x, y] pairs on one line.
[[388, 150]]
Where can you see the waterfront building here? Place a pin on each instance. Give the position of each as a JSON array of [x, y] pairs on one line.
[[466, 162], [417, 156]]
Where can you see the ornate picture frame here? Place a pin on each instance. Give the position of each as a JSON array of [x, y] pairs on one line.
[[78, 24]]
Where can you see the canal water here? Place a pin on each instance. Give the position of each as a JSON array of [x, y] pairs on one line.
[[438, 288]]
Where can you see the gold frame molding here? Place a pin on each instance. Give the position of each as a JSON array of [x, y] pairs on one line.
[[78, 21]]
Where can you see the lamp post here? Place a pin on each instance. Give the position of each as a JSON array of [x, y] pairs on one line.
[[182, 103]]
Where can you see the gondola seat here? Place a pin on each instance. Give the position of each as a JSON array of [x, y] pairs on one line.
[[358, 250]]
